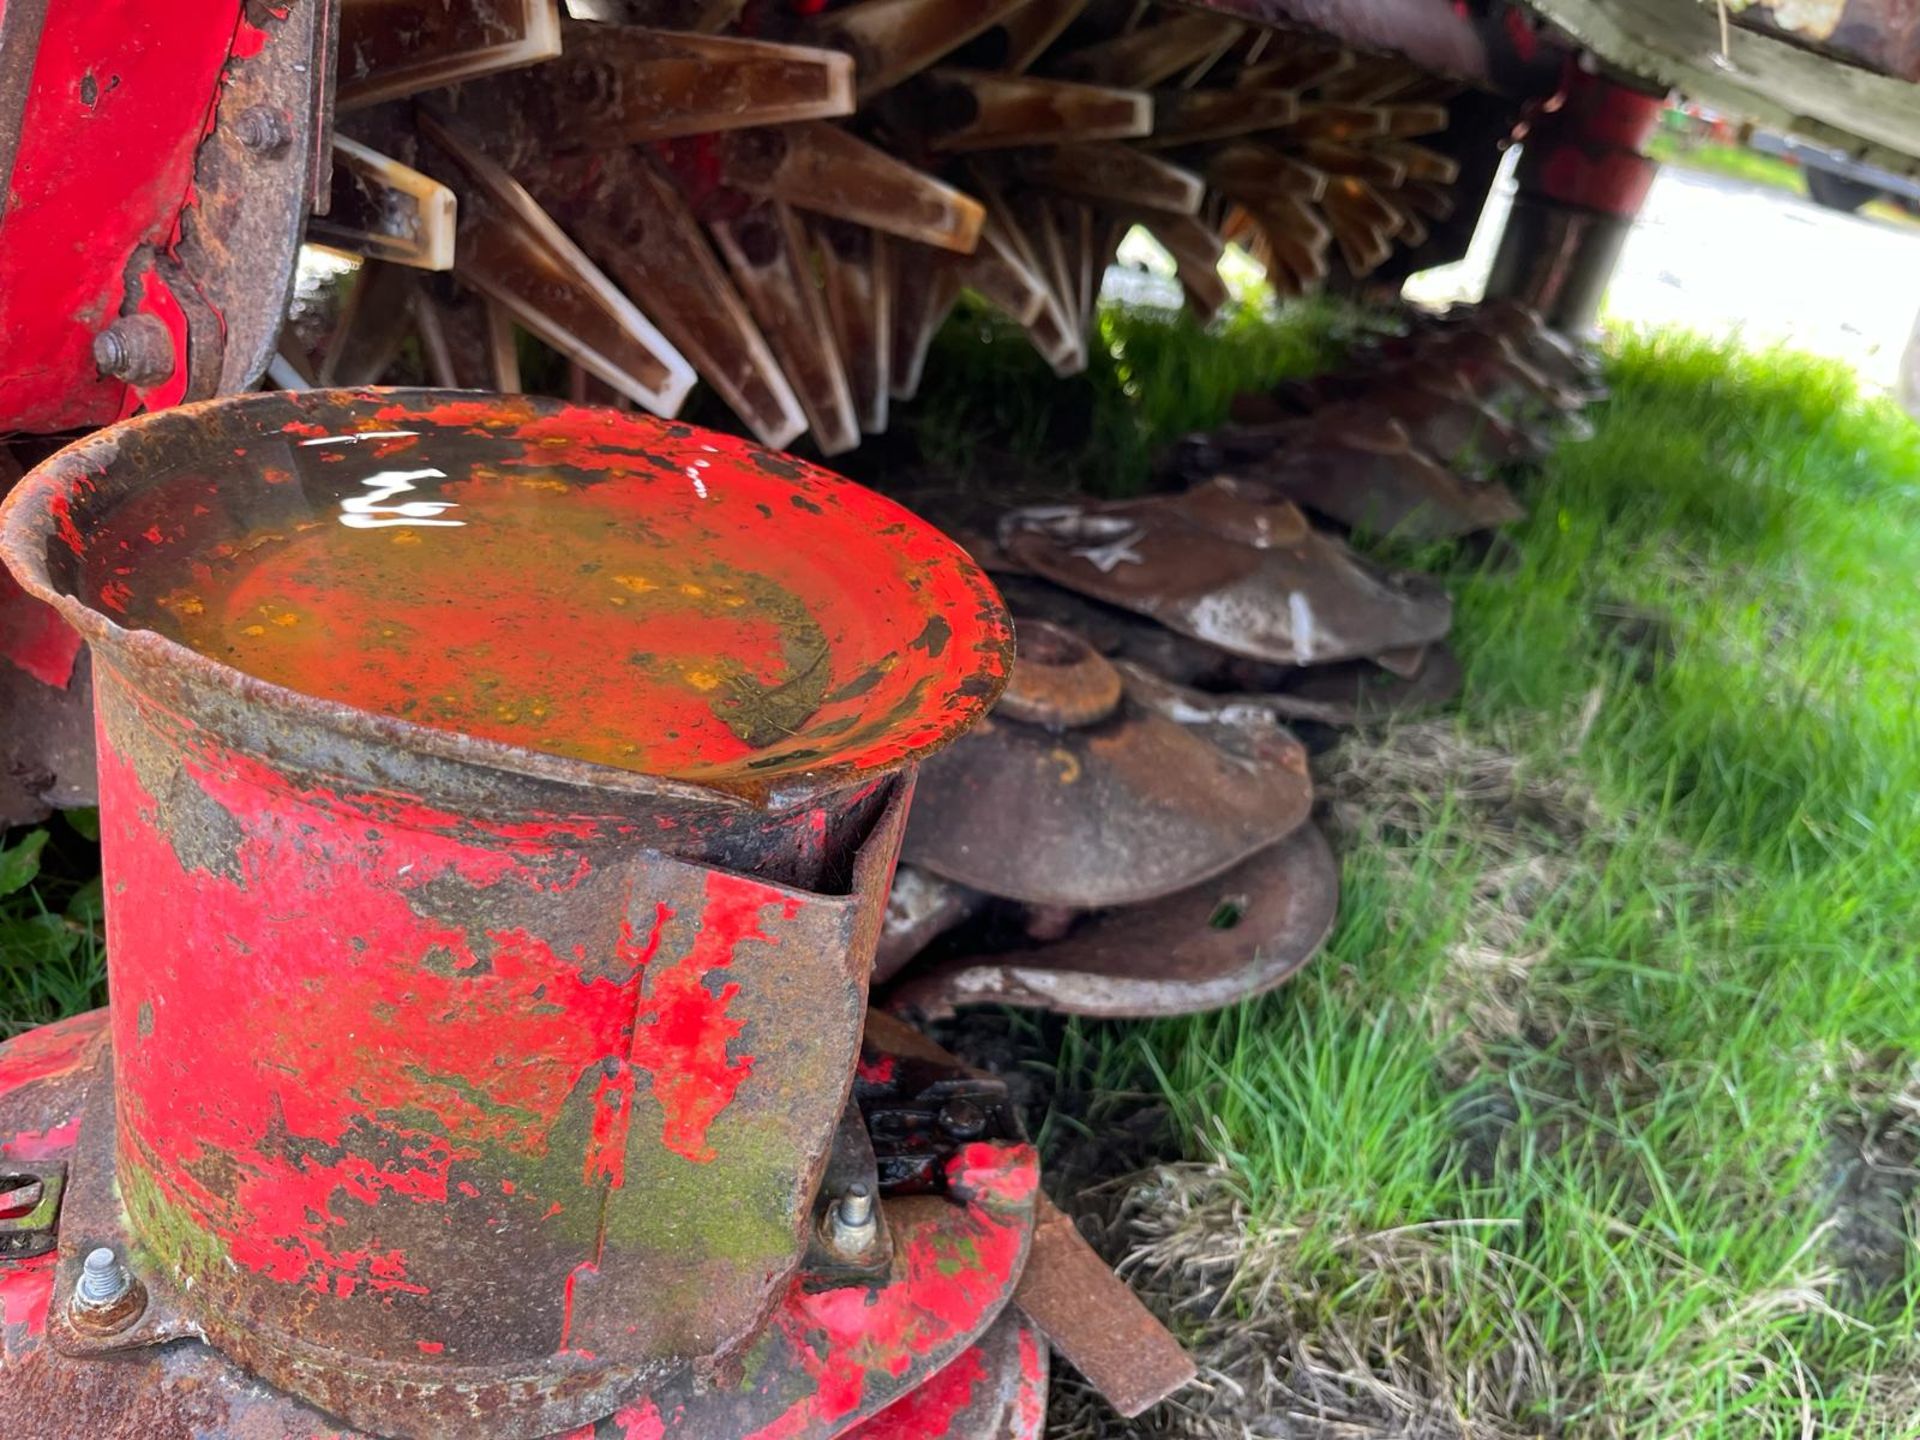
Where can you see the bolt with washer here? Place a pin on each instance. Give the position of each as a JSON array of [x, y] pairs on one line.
[[104, 1281], [852, 1226]]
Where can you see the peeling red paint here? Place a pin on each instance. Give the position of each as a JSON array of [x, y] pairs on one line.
[[26, 1289], [928, 1411], [62, 511], [1030, 1409], [673, 636], [34, 637], [682, 1034], [42, 1144], [370, 1054], [585, 1267], [51, 1051], [606, 1157], [121, 95], [640, 1422], [951, 1284], [208, 1084]]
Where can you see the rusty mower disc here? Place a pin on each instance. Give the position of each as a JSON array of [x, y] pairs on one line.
[[1214, 944], [1352, 692], [1185, 561], [1358, 467], [1128, 809]]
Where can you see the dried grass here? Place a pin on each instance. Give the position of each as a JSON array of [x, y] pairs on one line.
[[1283, 1360], [1392, 792]]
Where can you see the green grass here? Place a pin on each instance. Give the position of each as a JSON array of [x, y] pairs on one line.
[[990, 403], [52, 956], [1627, 963]]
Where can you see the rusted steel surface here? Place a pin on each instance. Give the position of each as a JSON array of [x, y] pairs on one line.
[[46, 695], [1412, 435], [386, 211], [1443, 38], [264, 166], [401, 1009], [1094, 1321], [1457, 429], [1186, 678], [766, 251], [390, 48], [920, 908], [892, 39], [1021, 138], [161, 169], [825, 1362], [1212, 945], [632, 220], [1573, 369], [1353, 692], [1090, 808], [46, 757], [1879, 35], [620, 85], [963, 110], [1232, 566], [514, 254], [996, 1389], [1372, 479], [914, 655]]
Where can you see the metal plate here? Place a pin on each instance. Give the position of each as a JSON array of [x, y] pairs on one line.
[[996, 1389], [1232, 568], [1129, 808], [825, 1362], [1217, 944]]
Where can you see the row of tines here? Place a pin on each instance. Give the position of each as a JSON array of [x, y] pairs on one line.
[[785, 200]]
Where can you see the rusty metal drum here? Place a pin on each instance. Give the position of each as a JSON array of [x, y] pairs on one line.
[[498, 802]]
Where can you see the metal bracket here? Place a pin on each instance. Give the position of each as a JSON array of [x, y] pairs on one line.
[[94, 1218], [850, 1163], [30, 1195]]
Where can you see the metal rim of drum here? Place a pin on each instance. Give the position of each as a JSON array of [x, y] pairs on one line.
[[38, 509]]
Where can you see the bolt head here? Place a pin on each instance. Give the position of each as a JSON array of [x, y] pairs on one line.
[[110, 351], [856, 1205], [103, 1279], [852, 1227], [963, 1119], [263, 130], [136, 349]]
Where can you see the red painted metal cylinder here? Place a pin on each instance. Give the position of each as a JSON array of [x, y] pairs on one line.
[[1582, 178], [457, 1077], [1590, 150]]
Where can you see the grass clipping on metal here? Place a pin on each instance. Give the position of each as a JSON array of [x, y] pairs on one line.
[[1597, 1115]]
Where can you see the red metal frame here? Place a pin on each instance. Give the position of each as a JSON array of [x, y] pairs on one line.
[[122, 94], [908, 1362]]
